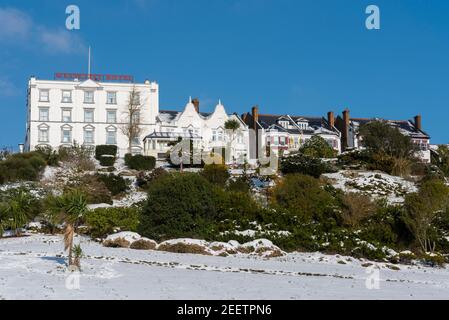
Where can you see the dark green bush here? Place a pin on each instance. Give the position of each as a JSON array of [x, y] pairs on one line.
[[107, 161], [317, 147], [104, 221], [216, 173], [21, 167], [116, 184], [50, 156], [303, 164], [179, 205], [304, 197], [95, 190], [240, 184], [144, 179], [140, 162], [102, 150]]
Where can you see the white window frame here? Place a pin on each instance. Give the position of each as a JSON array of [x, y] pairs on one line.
[[91, 131], [66, 99], [62, 115], [89, 101], [47, 134], [111, 130], [107, 116], [66, 129], [113, 100], [44, 119], [93, 115], [40, 95]]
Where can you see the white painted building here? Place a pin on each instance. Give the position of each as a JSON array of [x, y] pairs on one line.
[[61, 113], [207, 130], [90, 113]]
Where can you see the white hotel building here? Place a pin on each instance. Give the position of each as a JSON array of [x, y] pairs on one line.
[[90, 113]]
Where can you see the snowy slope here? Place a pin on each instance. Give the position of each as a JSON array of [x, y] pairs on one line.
[[34, 268]]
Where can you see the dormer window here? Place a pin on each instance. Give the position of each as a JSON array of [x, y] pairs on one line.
[[284, 123], [303, 125]]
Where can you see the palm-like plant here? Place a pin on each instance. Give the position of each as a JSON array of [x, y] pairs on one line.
[[71, 206], [16, 211], [232, 125]]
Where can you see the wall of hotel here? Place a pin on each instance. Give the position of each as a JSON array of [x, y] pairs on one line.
[[150, 108]]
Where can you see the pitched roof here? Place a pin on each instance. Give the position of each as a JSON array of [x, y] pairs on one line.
[[407, 127], [268, 121]]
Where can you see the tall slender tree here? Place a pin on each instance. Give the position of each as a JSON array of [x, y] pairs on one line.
[[132, 126]]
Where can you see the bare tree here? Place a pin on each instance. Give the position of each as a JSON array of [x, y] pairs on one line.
[[132, 127]]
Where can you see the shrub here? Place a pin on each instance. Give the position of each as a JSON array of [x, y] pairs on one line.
[[303, 164], [356, 208], [317, 147], [107, 161], [116, 184], [104, 221], [183, 248], [116, 243], [78, 157], [50, 156], [422, 211], [304, 197], [94, 189], [239, 184], [178, 205], [140, 162], [21, 167], [216, 173], [143, 244], [143, 179], [105, 150]]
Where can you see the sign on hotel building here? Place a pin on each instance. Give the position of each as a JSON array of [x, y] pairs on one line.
[[71, 110]]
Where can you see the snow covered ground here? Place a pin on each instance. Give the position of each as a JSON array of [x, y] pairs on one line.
[[373, 183], [34, 268]]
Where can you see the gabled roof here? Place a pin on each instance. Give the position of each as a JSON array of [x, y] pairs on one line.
[[314, 123]]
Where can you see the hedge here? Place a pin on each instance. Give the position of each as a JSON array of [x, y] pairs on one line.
[[102, 150], [140, 162], [107, 161]]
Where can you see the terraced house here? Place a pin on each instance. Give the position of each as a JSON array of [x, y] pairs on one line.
[[351, 139], [287, 133]]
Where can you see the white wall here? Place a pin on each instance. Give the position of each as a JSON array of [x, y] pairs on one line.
[[150, 108]]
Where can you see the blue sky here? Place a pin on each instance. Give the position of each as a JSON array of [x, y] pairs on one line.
[[288, 56]]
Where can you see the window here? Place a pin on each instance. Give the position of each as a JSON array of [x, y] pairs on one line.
[[43, 135], [303, 125], [66, 115], [136, 117], [220, 135], [66, 135], [43, 114], [136, 141], [111, 137], [111, 98], [88, 136], [284, 124], [214, 135], [88, 97], [88, 115], [111, 116], [44, 95], [136, 98], [66, 96]]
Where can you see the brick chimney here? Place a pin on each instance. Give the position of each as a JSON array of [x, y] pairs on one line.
[[331, 118], [196, 103], [345, 132], [255, 114], [418, 122]]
